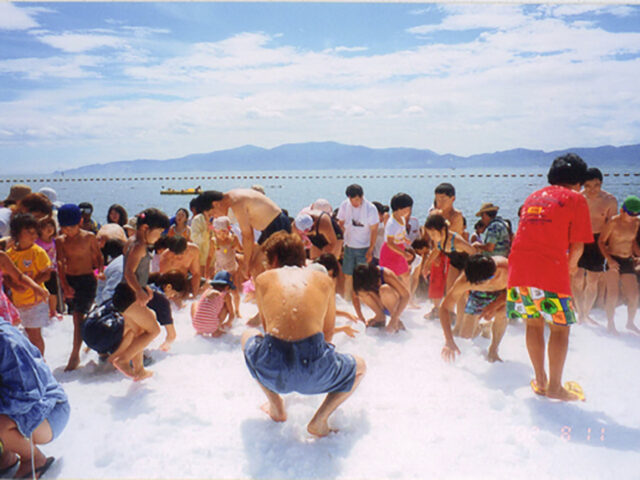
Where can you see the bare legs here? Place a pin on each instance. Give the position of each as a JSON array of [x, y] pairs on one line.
[[35, 337], [557, 351], [74, 358], [613, 277], [630, 292], [15, 443], [141, 327], [318, 425]]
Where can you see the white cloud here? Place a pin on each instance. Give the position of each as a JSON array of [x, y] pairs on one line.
[[530, 81], [51, 67], [15, 18], [469, 17], [345, 49], [78, 42]]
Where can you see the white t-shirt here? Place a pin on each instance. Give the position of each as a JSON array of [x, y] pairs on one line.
[[358, 222], [396, 230]]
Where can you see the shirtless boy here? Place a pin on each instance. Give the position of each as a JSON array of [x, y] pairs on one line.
[[485, 279], [253, 210], [184, 257], [297, 308], [78, 256], [602, 207], [618, 245]]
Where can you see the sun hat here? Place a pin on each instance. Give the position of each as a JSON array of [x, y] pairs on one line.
[[18, 192], [487, 207], [222, 278], [51, 194], [69, 215], [631, 205], [322, 204], [303, 222], [222, 223]]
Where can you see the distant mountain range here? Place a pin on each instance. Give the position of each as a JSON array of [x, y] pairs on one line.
[[334, 156]]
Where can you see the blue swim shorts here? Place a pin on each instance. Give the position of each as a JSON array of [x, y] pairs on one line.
[[58, 418], [309, 366], [353, 257]]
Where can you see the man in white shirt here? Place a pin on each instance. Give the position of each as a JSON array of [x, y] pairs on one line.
[[359, 220]]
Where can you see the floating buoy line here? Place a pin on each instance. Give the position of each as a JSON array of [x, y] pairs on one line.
[[284, 177]]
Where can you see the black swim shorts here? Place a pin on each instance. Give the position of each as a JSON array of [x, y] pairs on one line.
[[281, 222], [592, 258], [162, 307], [626, 265], [84, 287]]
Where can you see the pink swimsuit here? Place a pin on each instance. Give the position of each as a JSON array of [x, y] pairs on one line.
[[207, 315]]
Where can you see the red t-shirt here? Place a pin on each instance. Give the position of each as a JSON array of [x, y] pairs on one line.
[[550, 220]]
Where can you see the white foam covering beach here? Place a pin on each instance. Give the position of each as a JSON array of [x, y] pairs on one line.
[[413, 416]]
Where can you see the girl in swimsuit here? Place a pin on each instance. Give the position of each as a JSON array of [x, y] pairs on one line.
[[450, 245], [383, 292], [212, 313], [225, 247]]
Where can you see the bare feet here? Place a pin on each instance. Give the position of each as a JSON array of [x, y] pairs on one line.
[[413, 306], [633, 328], [562, 394], [493, 356], [612, 329], [166, 346], [73, 363], [276, 412], [320, 428], [433, 314], [142, 374], [123, 367], [587, 320]]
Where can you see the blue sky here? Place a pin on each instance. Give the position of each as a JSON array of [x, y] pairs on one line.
[[88, 83]]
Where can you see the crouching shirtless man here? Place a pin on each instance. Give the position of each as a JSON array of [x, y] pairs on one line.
[[297, 310], [485, 278]]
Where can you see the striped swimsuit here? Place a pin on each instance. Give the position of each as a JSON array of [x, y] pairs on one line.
[[206, 317]]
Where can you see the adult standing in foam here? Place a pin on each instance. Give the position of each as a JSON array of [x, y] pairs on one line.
[[33, 405], [359, 220], [553, 221], [253, 210]]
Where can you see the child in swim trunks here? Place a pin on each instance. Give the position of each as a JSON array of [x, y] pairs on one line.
[[34, 262], [212, 313], [78, 256]]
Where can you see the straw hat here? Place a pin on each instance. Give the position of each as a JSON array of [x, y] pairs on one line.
[[487, 207], [18, 192]]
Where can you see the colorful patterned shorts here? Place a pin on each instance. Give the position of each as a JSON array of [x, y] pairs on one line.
[[531, 302], [478, 301]]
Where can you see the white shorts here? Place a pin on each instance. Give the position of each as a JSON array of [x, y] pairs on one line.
[[35, 316]]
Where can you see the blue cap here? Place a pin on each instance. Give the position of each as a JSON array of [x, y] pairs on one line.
[[222, 278], [69, 215]]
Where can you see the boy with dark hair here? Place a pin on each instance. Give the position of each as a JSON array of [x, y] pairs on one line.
[[78, 256], [553, 221], [485, 279], [183, 256], [359, 220], [602, 207]]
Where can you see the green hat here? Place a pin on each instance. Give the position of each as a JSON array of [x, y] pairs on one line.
[[631, 205]]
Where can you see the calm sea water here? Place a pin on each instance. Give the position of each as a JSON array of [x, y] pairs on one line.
[[294, 190]]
